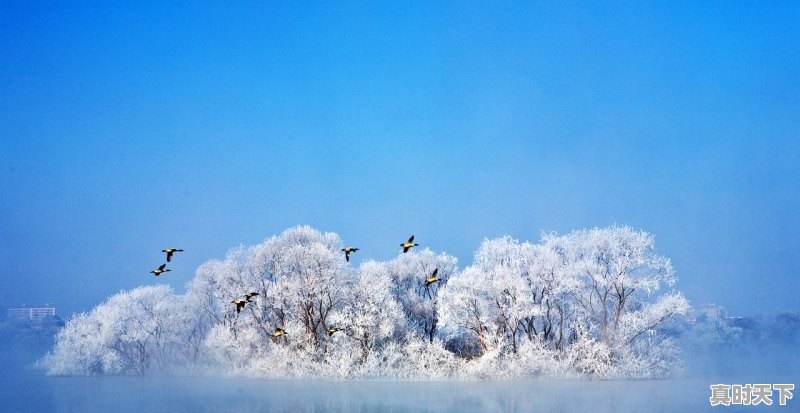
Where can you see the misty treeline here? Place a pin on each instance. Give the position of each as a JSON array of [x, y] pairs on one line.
[[710, 332], [590, 303]]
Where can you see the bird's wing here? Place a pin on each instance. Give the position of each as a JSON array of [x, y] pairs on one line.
[[169, 255], [436, 271], [162, 267], [405, 249], [410, 240]]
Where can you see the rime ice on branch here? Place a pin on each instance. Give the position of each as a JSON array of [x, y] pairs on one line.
[[581, 304]]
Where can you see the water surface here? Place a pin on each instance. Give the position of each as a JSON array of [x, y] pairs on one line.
[[34, 392], [24, 389]]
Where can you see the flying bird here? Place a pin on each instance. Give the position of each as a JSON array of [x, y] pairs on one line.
[[171, 251], [348, 251], [279, 332], [433, 278], [239, 305], [248, 296], [159, 270], [334, 330], [408, 244]]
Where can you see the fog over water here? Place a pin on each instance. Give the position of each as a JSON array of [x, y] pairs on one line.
[[129, 128], [26, 389], [229, 395], [182, 394]]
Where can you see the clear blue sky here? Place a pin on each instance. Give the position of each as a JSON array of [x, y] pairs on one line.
[[126, 128]]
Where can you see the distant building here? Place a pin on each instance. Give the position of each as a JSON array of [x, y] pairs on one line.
[[26, 313]]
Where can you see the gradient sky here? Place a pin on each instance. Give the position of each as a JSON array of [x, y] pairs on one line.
[[127, 128]]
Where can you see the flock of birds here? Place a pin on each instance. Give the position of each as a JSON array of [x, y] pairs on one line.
[[161, 269], [248, 298]]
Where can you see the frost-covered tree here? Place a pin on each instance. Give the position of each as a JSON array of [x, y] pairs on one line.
[[80, 349], [466, 305], [419, 299], [193, 327], [552, 284], [587, 294], [529, 287], [619, 273], [501, 295], [370, 314], [131, 333], [583, 303], [298, 277]]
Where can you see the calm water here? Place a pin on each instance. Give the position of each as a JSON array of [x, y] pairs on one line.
[[36, 393], [29, 390]]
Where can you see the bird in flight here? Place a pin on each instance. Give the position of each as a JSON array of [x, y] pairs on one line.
[[279, 332], [239, 305], [433, 278], [334, 330], [171, 251], [159, 270], [348, 251], [408, 244]]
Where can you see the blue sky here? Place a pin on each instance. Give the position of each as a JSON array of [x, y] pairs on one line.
[[126, 128]]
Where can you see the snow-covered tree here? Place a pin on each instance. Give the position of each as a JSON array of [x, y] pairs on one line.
[[587, 294], [131, 333], [552, 284], [80, 349], [583, 303], [297, 275], [496, 297], [419, 298], [465, 305], [618, 267], [370, 314]]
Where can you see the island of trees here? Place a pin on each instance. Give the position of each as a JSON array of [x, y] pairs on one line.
[[591, 303]]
